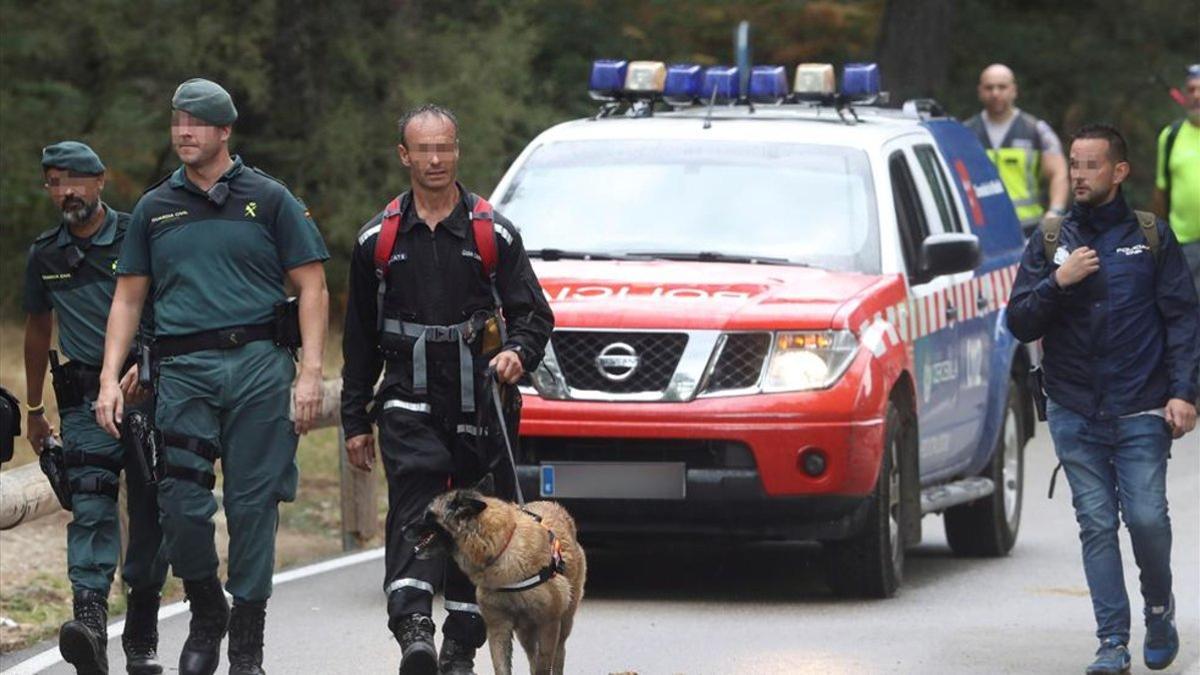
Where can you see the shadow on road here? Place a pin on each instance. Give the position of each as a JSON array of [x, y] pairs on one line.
[[729, 571]]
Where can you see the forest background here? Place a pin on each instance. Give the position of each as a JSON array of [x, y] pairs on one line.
[[319, 85]]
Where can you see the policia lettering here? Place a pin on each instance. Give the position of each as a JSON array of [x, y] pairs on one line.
[[69, 278], [216, 271]]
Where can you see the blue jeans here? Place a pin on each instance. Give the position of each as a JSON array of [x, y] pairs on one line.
[[1116, 465]]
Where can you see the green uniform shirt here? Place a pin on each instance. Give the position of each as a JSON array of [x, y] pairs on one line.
[[218, 259], [76, 278], [1185, 181]]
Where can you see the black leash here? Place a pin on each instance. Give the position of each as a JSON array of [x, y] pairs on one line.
[[493, 382]]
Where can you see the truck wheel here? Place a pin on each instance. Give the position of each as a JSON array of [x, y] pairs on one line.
[[987, 527], [871, 563]]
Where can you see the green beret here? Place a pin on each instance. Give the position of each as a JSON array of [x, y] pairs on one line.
[[72, 156], [206, 100]]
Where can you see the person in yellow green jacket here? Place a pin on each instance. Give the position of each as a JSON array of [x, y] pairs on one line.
[[1177, 179], [1025, 149]]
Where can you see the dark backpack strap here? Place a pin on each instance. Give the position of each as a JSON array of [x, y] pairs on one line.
[[1051, 234], [1173, 134], [1149, 224]]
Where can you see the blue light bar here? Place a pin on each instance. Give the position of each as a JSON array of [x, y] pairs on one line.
[[860, 80], [768, 83], [608, 78], [685, 81], [724, 79]]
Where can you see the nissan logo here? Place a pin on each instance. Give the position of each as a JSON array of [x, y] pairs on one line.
[[617, 362]]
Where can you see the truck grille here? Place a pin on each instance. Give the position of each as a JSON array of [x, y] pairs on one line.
[[741, 361], [618, 362]]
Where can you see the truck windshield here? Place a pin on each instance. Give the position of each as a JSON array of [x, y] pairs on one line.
[[805, 203]]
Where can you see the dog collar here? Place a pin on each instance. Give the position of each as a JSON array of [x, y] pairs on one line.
[[545, 574]]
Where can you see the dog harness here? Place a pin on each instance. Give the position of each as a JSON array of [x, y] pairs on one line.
[[555, 568]]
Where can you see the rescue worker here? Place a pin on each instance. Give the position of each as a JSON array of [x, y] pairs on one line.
[[432, 318], [1024, 148], [1177, 180], [1112, 301], [70, 278], [215, 242]]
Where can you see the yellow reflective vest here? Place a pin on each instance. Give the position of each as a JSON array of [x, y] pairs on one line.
[[1018, 160]]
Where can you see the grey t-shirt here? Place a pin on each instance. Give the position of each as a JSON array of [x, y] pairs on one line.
[[997, 131]]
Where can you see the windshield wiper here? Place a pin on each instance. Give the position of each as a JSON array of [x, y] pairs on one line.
[[714, 256], [563, 254]]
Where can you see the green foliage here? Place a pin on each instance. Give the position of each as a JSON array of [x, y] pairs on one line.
[[319, 85]]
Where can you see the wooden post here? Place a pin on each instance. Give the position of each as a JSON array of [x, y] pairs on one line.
[[123, 528], [25, 495], [360, 518]]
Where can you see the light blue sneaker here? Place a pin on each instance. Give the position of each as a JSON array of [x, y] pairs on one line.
[[1112, 658], [1162, 639]]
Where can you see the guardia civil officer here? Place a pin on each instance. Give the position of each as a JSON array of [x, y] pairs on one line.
[[214, 242], [1109, 294], [451, 269], [70, 278]]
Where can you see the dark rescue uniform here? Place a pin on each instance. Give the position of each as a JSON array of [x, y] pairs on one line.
[[436, 278]]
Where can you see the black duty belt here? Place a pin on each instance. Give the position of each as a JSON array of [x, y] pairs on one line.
[[222, 338], [74, 382]]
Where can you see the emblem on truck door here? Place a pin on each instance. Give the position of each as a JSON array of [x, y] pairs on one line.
[[617, 362]]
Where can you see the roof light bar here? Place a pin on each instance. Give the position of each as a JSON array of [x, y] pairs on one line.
[[721, 80], [684, 83], [607, 79], [768, 84], [646, 77], [860, 80], [815, 81]]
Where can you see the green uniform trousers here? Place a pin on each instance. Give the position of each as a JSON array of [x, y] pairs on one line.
[[236, 399], [94, 536]]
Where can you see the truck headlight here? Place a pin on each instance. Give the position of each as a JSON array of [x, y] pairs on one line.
[[547, 379], [805, 360]]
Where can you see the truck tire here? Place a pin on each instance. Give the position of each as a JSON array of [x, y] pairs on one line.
[[987, 527], [871, 563]]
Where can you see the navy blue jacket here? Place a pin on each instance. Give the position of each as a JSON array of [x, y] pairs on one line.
[[1125, 339]]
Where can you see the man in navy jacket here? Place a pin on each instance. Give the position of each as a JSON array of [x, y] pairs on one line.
[[1119, 321]]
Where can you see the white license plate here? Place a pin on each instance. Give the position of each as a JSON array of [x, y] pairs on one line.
[[614, 480]]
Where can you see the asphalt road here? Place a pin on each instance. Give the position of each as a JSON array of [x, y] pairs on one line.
[[765, 609]]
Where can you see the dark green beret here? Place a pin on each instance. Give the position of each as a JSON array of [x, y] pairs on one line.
[[206, 100], [72, 156]]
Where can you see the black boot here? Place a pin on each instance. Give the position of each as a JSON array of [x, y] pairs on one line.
[[140, 639], [456, 659], [246, 637], [84, 641], [210, 619], [417, 653]]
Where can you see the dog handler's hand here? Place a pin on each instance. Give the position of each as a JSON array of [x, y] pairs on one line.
[[1081, 264], [1181, 415], [360, 450], [110, 407], [508, 366]]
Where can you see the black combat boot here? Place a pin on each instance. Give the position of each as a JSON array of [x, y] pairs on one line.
[[246, 637], [417, 653], [456, 659], [140, 639], [210, 619], [84, 641]]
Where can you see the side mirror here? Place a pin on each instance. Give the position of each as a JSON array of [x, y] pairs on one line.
[[948, 254]]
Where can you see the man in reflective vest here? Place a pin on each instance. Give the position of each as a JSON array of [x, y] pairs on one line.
[[1024, 148]]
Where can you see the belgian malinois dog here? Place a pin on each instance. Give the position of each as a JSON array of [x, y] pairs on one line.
[[527, 567]]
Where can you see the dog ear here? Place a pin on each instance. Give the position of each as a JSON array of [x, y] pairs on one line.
[[486, 485], [468, 507]]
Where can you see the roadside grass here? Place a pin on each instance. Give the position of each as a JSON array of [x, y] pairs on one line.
[[35, 595]]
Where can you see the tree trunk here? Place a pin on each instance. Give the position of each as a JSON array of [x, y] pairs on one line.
[[913, 49]]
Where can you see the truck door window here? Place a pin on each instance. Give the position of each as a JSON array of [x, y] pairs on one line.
[[940, 188], [909, 215]]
